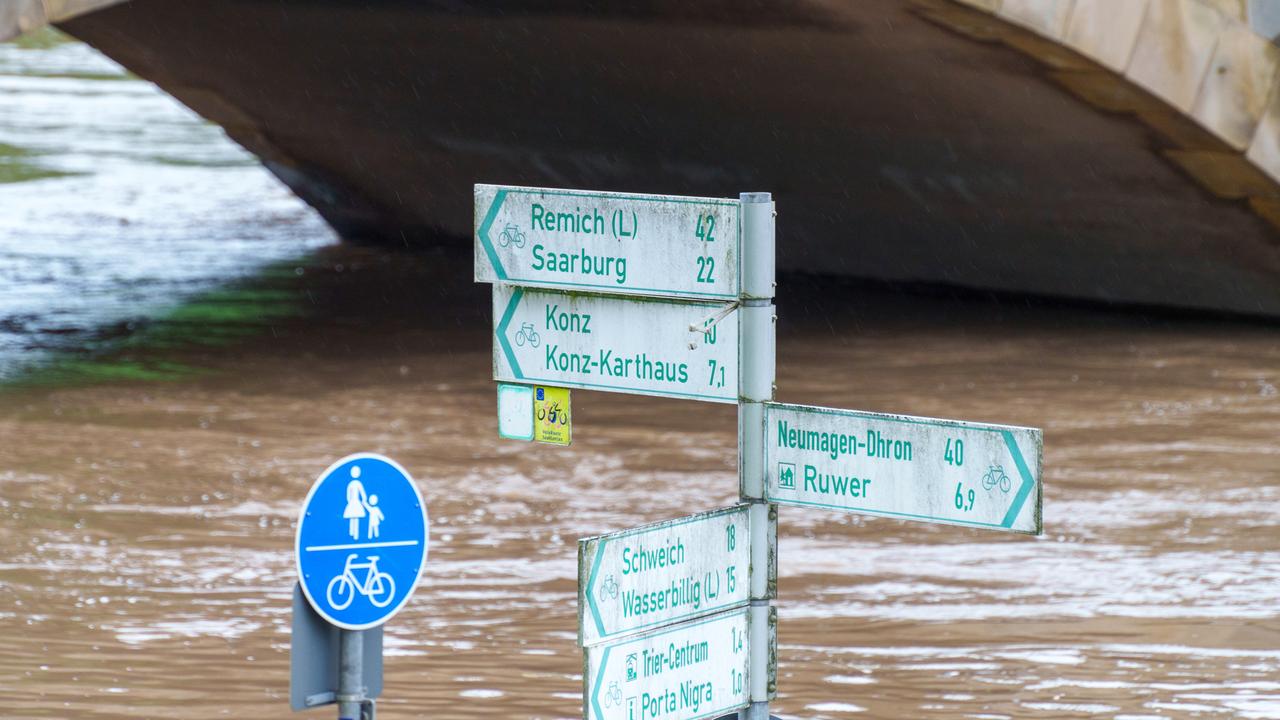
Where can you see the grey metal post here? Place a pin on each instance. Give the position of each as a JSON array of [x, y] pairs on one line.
[[759, 343], [350, 670]]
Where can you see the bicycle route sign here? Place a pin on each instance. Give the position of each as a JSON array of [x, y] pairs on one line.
[[361, 543], [597, 342], [912, 468], [695, 670], [663, 573], [608, 242]]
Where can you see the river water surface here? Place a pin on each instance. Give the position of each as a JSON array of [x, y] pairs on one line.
[[147, 520]]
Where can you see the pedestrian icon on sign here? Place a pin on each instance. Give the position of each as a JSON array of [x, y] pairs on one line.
[[375, 516], [359, 505], [356, 501]]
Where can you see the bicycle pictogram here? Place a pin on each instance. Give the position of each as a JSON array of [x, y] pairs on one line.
[[997, 476], [526, 333], [511, 235], [554, 415], [613, 696], [378, 586], [608, 589]]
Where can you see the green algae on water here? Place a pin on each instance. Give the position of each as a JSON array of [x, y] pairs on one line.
[[165, 348], [15, 166]]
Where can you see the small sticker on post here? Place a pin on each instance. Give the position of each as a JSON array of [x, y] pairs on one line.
[[551, 418], [515, 412]]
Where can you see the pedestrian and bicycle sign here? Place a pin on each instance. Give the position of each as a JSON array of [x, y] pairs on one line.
[[361, 542], [943, 471], [607, 242]]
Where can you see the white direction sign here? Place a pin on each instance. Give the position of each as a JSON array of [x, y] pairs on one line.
[[631, 345], [943, 471], [663, 573], [696, 670], [607, 242]]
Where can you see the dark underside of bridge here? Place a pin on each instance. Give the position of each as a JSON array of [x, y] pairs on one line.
[[897, 148]]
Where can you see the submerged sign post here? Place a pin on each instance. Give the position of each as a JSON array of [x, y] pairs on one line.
[[360, 548], [627, 293], [945, 471], [650, 295], [664, 616]]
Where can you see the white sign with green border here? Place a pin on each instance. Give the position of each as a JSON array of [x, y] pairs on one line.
[[695, 670], [663, 573], [913, 468], [598, 342], [607, 242]]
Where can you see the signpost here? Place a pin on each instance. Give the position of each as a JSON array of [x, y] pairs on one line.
[[559, 261], [655, 245], [598, 342], [943, 471], [361, 546], [700, 669], [664, 573], [669, 296]]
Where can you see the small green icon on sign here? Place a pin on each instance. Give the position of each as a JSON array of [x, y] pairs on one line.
[[608, 589], [613, 696], [997, 476], [633, 670], [511, 235], [787, 476]]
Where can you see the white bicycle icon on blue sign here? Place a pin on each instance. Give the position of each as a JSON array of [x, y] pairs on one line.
[[378, 586]]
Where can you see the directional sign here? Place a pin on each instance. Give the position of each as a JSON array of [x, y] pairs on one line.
[[663, 573], [690, 671], [632, 345], [607, 242], [905, 467], [362, 541]]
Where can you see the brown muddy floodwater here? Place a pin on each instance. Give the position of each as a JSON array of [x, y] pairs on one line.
[[148, 524]]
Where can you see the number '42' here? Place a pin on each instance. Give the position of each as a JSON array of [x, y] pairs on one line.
[[706, 226]]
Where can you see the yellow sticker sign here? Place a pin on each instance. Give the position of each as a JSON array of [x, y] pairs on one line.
[[551, 420]]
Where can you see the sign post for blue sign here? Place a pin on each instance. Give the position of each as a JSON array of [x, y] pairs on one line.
[[361, 546]]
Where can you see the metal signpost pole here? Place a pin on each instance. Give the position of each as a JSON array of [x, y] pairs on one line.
[[350, 681], [758, 366]]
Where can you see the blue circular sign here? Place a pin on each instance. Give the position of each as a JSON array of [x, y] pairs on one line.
[[362, 541]]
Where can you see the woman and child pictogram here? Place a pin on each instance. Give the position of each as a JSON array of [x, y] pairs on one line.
[[360, 505]]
